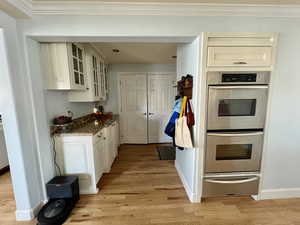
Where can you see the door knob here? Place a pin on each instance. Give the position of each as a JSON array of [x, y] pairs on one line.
[[145, 114], [151, 113]]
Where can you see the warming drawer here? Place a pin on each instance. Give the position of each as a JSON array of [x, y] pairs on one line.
[[224, 186]]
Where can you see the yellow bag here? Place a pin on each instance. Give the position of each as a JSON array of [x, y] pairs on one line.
[[182, 131]]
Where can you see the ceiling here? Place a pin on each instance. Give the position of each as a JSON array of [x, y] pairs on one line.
[[275, 2], [138, 53]]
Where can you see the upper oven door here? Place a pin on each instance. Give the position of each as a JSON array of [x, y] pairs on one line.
[[237, 107]]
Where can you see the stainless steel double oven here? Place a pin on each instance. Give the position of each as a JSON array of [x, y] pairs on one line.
[[236, 108]]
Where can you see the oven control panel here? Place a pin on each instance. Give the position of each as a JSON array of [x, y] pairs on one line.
[[244, 77], [238, 78]]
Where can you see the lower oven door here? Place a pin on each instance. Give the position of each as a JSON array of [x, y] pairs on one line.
[[237, 107], [222, 186], [233, 152]]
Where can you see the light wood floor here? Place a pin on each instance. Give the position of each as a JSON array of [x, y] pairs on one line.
[[142, 190]]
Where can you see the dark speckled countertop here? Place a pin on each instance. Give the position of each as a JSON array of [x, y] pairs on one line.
[[90, 128]]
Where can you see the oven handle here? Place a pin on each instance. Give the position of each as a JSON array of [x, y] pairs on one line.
[[235, 135], [231, 181], [240, 87]]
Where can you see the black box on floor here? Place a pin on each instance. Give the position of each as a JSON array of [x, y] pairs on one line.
[[63, 187]]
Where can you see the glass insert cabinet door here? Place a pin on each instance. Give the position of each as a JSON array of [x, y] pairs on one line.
[[95, 72], [237, 107], [233, 152], [78, 65]]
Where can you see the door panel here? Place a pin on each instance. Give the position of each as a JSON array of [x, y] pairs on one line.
[[161, 96], [133, 111]]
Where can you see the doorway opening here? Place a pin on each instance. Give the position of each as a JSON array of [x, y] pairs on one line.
[[134, 78]]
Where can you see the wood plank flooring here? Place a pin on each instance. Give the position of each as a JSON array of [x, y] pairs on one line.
[[142, 190]]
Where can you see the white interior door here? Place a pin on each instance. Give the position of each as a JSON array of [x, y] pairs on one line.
[[133, 109], [161, 96]]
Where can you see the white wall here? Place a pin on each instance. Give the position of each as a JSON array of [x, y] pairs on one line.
[[282, 166], [57, 104], [188, 63], [16, 110], [111, 105], [3, 152]]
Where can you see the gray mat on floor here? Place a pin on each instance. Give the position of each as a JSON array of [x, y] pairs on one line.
[[166, 152]]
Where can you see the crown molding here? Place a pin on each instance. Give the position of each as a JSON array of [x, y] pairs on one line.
[[67, 7], [163, 9], [17, 8]]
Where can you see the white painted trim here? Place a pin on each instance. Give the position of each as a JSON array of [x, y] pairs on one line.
[[192, 196], [162, 8], [28, 8], [280, 193], [90, 191], [29, 214], [268, 119], [17, 8], [202, 106]]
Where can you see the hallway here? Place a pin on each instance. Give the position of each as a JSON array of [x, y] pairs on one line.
[[142, 190]]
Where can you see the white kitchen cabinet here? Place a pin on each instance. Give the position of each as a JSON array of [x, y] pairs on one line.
[[87, 157], [240, 51], [110, 155], [112, 141], [239, 56], [3, 151], [116, 140], [103, 81], [93, 84], [63, 66], [81, 156]]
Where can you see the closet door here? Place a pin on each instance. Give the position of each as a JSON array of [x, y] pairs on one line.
[[161, 96], [133, 108]]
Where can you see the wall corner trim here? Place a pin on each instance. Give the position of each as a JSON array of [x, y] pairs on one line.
[[279, 193], [191, 195], [29, 214]]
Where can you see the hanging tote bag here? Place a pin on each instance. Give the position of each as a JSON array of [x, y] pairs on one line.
[[190, 115], [182, 131], [170, 128]]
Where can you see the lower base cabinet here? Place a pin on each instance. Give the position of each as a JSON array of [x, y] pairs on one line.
[[87, 157]]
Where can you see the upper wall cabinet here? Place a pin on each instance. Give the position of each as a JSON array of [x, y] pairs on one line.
[[64, 66], [96, 79], [240, 51]]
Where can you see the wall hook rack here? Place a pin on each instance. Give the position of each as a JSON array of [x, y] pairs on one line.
[[185, 86]]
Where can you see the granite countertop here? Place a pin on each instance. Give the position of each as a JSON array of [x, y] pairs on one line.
[[90, 128]]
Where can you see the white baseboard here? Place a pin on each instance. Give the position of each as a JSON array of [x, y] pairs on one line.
[[192, 196], [29, 214], [279, 193], [89, 191]]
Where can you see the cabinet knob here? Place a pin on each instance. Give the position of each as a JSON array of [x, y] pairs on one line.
[[104, 138]]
